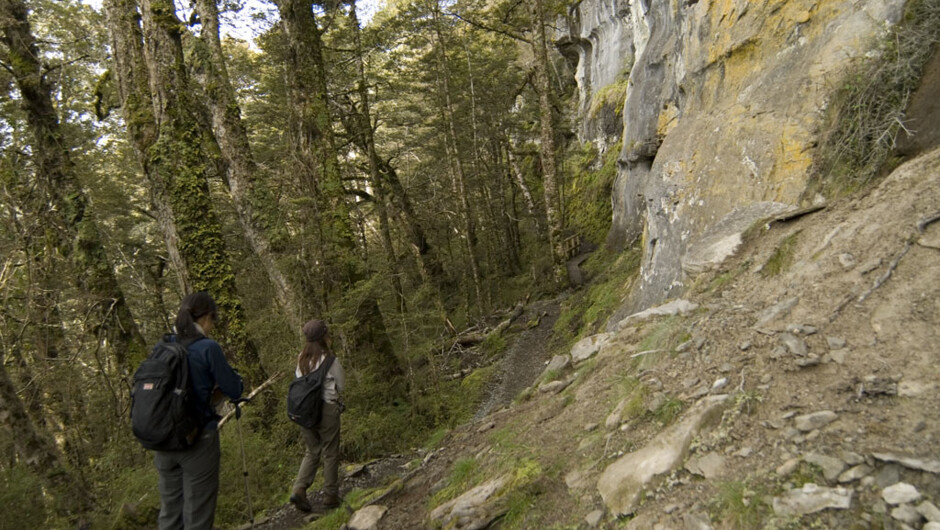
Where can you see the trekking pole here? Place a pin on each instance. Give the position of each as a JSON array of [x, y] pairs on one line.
[[241, 443]]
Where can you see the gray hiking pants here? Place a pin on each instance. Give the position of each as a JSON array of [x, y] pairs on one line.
[[189, 484], [323, 440]]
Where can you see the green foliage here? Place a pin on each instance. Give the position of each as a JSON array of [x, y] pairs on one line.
[[867, 113], [782, 257], [589, 210], [272, 460], [463, 475], [668, 411], [584, 312], [611, 96], [21, 489], [740, 505], [521, 492], [493, 344]]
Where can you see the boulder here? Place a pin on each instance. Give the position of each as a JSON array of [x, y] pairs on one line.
[[557, 364], [815, 420], [900, 493], [708, 466], [675, 307], [622, 482], [831, 467], [920, 464], [811, 499], [589, 346], [367, 518], [474, 509]]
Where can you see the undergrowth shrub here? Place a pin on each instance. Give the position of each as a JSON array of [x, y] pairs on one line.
[[867, 114], [586, 311], [589, 211], [21, 489]]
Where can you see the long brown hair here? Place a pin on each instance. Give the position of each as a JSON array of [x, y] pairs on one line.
[[312, 354]]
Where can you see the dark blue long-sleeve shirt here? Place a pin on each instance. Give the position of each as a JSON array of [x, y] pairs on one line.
[[209, 368]]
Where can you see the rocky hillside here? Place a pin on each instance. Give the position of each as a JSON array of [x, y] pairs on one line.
[[795, 386]]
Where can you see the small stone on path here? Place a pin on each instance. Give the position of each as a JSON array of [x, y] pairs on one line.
[[906, 514], [367, 518], [594, 518], [930, 511], [815, 420], [811, 499], [900, 493]]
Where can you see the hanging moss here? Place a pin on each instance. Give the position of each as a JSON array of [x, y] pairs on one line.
[[588, 210]]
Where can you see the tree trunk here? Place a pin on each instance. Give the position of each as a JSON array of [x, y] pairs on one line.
[[314, 150], [137, 107], [241, 177], [78, 237], [176, 162], [454, 156], [547, 138], [362, 126], [39, 452]]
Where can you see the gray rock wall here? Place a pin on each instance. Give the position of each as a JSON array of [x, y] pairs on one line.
[[722, 111]]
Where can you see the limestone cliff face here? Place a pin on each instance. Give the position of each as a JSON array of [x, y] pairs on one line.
[[723, 104]]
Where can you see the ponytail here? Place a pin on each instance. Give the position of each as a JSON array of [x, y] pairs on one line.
[[193, 307]]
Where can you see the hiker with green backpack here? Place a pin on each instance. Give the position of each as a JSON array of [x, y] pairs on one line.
[[314, 401], [172, 413]]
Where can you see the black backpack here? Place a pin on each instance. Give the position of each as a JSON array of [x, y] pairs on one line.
[[305, 396], [162, 412]]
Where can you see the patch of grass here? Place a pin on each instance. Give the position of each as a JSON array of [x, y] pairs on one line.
[[493, 344], [332, 520], [663, 336], [550, 375], [718, 283], [585, 311], [464, 474], [748, 401], [738, 505], [611, 96], [635, 406], [867, 114], [806, 473], [782, 257], [435, 439], [668, 411], [521, 492]]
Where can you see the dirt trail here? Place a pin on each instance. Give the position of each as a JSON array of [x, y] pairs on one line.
[[519, 367], [525, 359]]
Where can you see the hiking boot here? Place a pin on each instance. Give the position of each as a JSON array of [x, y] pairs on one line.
[[299, 500], [331, 501]]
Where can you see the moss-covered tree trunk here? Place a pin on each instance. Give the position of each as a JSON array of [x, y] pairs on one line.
[[137, 108], [547, 138], [173, 151], [330, 257], [250, 200]]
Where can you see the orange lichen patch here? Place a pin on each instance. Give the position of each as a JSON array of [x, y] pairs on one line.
[[668, 118], [793, 161]]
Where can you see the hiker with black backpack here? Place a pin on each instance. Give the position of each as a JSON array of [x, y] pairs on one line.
[[173, 413], [315, 403]]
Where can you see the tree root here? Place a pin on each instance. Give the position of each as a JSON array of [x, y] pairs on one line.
[[922, 224], [887, 274]]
